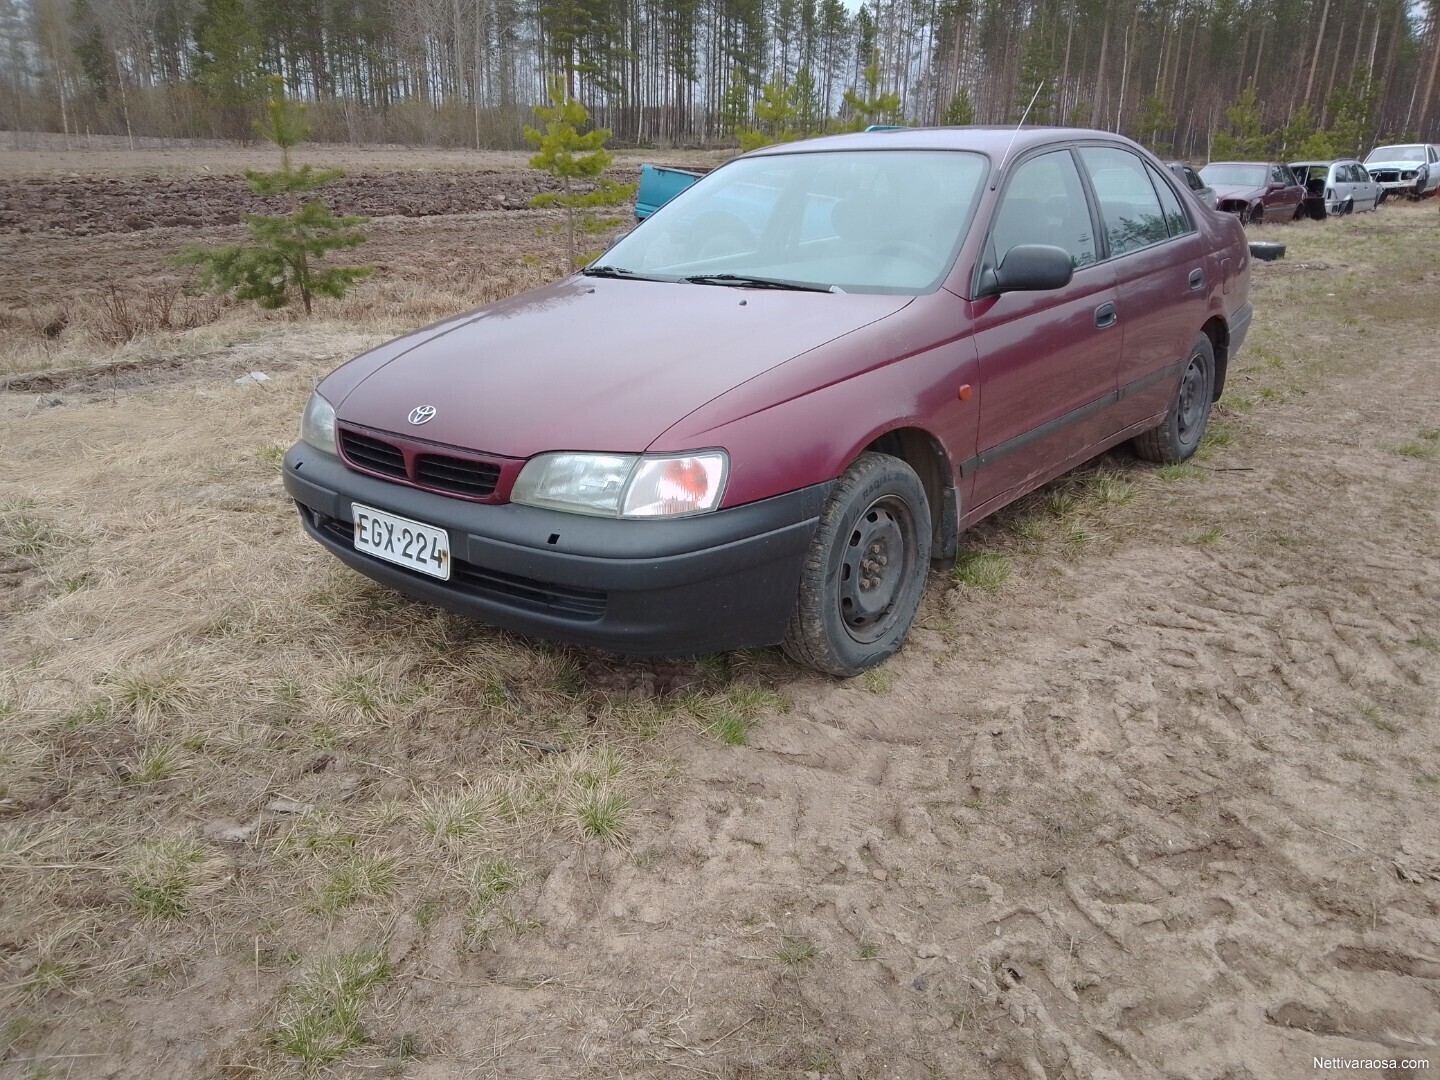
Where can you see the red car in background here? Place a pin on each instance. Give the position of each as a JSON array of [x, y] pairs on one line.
[[1256, 191], [760, 417]]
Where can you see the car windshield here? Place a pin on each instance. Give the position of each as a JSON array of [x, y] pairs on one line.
[[1396, 153], [886, 221], [1235, 175]]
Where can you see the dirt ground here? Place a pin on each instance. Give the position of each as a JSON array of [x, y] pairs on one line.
[[1161, 803]]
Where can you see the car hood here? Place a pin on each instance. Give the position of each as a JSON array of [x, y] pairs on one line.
[[1238, 191], [588, 363], [1393, 164]]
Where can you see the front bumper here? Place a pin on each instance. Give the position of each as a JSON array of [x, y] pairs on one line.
[[719, 581]]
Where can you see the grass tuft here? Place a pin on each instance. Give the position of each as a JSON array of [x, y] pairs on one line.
[[987, 571], [162, 875], [878, 680], [150, 696], [797, 952], [26, 536], [1202, 537], [1182, 470], [353, 880], [603, 815], [153, 764], [322, 1016], [1422, 451]]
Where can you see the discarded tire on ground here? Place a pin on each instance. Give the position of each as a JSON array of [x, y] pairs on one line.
[[1267, 250]]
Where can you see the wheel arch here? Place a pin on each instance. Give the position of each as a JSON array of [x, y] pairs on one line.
[[924, 453], [1219, 334]]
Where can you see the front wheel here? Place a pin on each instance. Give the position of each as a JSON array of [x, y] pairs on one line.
[[1179, 434], [864, 575]]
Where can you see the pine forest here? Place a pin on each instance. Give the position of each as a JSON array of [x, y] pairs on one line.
[[1186, 77]]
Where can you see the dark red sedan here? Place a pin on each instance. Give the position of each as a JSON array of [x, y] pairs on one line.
[[763, 415], [1256, 191]]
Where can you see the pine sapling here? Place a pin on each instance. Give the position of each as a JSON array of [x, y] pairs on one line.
[[571, 157], [285, 252]]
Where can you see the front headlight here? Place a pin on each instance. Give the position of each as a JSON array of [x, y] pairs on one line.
[[317, 424], [623, 485]]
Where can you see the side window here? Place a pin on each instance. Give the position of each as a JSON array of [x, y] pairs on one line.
[[1176, 220], [1129, 207], [1277, 175], [1193, 179], [1044, 203]]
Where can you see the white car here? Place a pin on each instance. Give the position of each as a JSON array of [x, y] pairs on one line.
[[1409, 169], [1336, 187]]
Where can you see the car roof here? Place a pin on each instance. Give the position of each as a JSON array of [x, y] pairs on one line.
[[1266, 164], [986, 140]]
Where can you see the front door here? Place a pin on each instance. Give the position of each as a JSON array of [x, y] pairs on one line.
[[1047, 359]]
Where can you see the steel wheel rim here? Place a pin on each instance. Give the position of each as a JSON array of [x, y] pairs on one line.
[[1191, 414], [875, 565]]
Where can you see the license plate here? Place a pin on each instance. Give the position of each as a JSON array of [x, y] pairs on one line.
[[402, 541]]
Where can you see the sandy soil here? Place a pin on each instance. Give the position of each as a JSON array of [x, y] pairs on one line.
[[1164, 805]]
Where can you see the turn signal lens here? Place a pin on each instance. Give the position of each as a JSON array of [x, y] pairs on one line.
[[664, 487]]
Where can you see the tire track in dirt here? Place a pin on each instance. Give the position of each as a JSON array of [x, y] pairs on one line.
[[1151, 818]]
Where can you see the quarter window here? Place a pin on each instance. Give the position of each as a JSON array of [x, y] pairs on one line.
[[1176, 220], [1129, 207]]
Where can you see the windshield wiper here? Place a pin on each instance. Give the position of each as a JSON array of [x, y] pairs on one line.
[[613, 271], [749, 281]]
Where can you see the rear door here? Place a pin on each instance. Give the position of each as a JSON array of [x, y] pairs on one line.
[[1160, 277], [1047, 359]]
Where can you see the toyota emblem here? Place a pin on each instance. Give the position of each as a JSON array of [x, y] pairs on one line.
[[421, 413]]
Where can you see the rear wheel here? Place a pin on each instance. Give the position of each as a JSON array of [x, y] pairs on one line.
[[1179, 434], [865, 573]]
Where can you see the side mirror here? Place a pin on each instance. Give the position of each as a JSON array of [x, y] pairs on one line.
[[1029, 268]]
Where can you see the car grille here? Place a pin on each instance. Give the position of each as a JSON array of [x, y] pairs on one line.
[[582, 605], [474, 478], [372, 454], [1385, 176], [469, 478]]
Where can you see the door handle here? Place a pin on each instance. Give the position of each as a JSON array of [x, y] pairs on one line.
[[1197, 279], [1106, 315]]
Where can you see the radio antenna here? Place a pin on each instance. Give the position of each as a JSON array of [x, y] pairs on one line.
[[1006, 157]]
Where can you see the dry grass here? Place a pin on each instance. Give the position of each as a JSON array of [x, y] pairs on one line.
[[217, 685], [219, 747]]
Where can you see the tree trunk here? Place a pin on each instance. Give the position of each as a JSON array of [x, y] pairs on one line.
[[1315, 56], [1434, 67]]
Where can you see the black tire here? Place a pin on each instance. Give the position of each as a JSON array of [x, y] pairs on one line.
[[1179, 434], [1267, 250], [865, 572], [1300, 212]]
